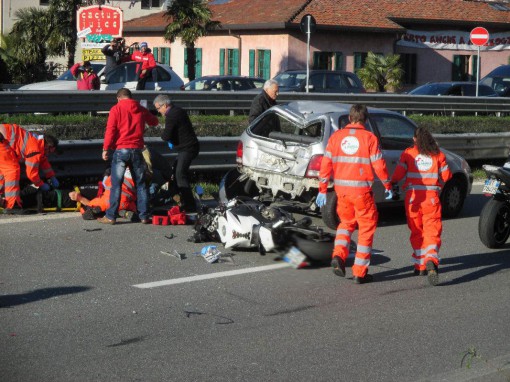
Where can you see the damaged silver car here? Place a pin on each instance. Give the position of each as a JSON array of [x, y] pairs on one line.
[[280, 153]]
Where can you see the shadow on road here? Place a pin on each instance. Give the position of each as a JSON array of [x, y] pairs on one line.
[[11, 300]]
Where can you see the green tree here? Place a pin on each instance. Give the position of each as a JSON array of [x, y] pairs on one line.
[[381, 73], [189, 20], [62, 32]]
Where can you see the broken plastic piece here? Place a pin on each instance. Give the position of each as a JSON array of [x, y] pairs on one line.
[[210, 253], [180, 256]]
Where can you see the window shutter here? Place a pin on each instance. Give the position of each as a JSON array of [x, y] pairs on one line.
[[267, 64], [456, 64], [235, 64], [198, 67], [155, 52], [185, 62], [315, 64], [339, 61], [222, 62], [474, 66], [252, 63]]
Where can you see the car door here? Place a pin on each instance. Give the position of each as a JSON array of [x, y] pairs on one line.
[[395, 134], [123, 76]]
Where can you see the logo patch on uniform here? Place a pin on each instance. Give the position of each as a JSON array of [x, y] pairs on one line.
[[423, 162], [350, 145]]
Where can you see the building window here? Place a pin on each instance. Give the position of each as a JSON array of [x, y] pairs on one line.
[[162, 55], [198, 63], [44, 2], [460, 68], [260, 63], [148, 4], [408, 63], [359, 60], [229, 62], [328, 60]]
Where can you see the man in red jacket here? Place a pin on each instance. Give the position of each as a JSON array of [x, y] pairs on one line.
[[146, 68], [352, 154], [124, 136], [17, 144], [86, 79]]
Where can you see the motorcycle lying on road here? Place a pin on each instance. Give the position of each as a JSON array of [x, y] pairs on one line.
[[494, 222]]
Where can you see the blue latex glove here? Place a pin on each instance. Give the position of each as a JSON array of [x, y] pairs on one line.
[[44, 187], [54, 182], [171, 145], [321, 199], [389, 194]]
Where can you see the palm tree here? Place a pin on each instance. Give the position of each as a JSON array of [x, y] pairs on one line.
[[62, 37], [189, 20], [381, 73]]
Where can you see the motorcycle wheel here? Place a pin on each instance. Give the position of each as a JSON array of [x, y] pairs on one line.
[[316, 246], [328, 212], [494, 223], [230, 187]]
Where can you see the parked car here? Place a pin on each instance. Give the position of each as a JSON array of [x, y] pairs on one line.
[[65, 82], [455, 88], [225, 83], [320, 81], [280, 153], [124, 76], [499, 80]]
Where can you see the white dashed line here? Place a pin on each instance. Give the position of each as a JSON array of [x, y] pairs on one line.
[[209, 276]]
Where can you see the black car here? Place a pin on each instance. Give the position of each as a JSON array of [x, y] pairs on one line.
[[458, 88], [320, 81], [225, 83], [499, 80]]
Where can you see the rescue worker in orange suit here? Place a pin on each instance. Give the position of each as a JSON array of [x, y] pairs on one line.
[[16, 145], [352, 155], [425, 171], [96, 207]]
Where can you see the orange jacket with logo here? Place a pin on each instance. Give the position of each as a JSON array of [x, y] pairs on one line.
[[421, 172], [29, 148], [352, 155]]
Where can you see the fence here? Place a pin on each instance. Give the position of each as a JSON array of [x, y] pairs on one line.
[[218, 154], [17, 101]]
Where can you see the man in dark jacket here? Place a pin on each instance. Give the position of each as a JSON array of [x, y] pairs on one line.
[[115, 54], [180, 135], [264, 100]]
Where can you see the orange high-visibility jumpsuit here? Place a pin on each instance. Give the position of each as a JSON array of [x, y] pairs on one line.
[[27, 147], [352, 154], [127, 195], [424, 178]]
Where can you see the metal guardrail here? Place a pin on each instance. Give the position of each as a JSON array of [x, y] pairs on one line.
[[100, 101], [218, 154]]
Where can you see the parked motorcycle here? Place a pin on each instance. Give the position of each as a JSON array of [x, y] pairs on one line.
[[494, 222]]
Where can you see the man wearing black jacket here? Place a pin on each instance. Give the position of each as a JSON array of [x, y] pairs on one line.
[[264, 100], [179, 135]]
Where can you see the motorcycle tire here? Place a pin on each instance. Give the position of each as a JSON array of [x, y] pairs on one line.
[[328, 211], [318, 247], [494, 223], [230, 187]]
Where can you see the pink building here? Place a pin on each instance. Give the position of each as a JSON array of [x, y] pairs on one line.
[[263, 37]]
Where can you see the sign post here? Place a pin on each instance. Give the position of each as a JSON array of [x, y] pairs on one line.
[[479, 37], [307, 26]]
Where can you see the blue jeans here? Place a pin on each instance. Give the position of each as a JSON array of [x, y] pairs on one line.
[[134, 158]]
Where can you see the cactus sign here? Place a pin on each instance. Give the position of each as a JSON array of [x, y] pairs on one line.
[[100, 20]]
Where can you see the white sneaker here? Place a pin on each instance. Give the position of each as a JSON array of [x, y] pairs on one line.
[[506, 165], [157, 87]]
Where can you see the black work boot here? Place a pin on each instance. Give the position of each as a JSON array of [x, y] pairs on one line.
[[338, 266], [363, 280], [432, 273], [16, 210]]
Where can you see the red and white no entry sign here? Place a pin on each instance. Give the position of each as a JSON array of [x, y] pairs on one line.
[[479, 36]]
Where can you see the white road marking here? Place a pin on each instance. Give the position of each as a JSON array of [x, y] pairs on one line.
[[208, 276], [38, 217]]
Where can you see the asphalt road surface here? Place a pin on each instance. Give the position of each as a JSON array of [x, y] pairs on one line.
[[80, 301]]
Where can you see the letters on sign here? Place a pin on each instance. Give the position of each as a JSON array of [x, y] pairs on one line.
[[453, 40]]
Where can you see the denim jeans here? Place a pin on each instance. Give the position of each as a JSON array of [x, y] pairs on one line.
[[134, 158]]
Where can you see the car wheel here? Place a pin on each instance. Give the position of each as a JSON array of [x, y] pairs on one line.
[[230, 186], [452, 197], [328, 211]]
